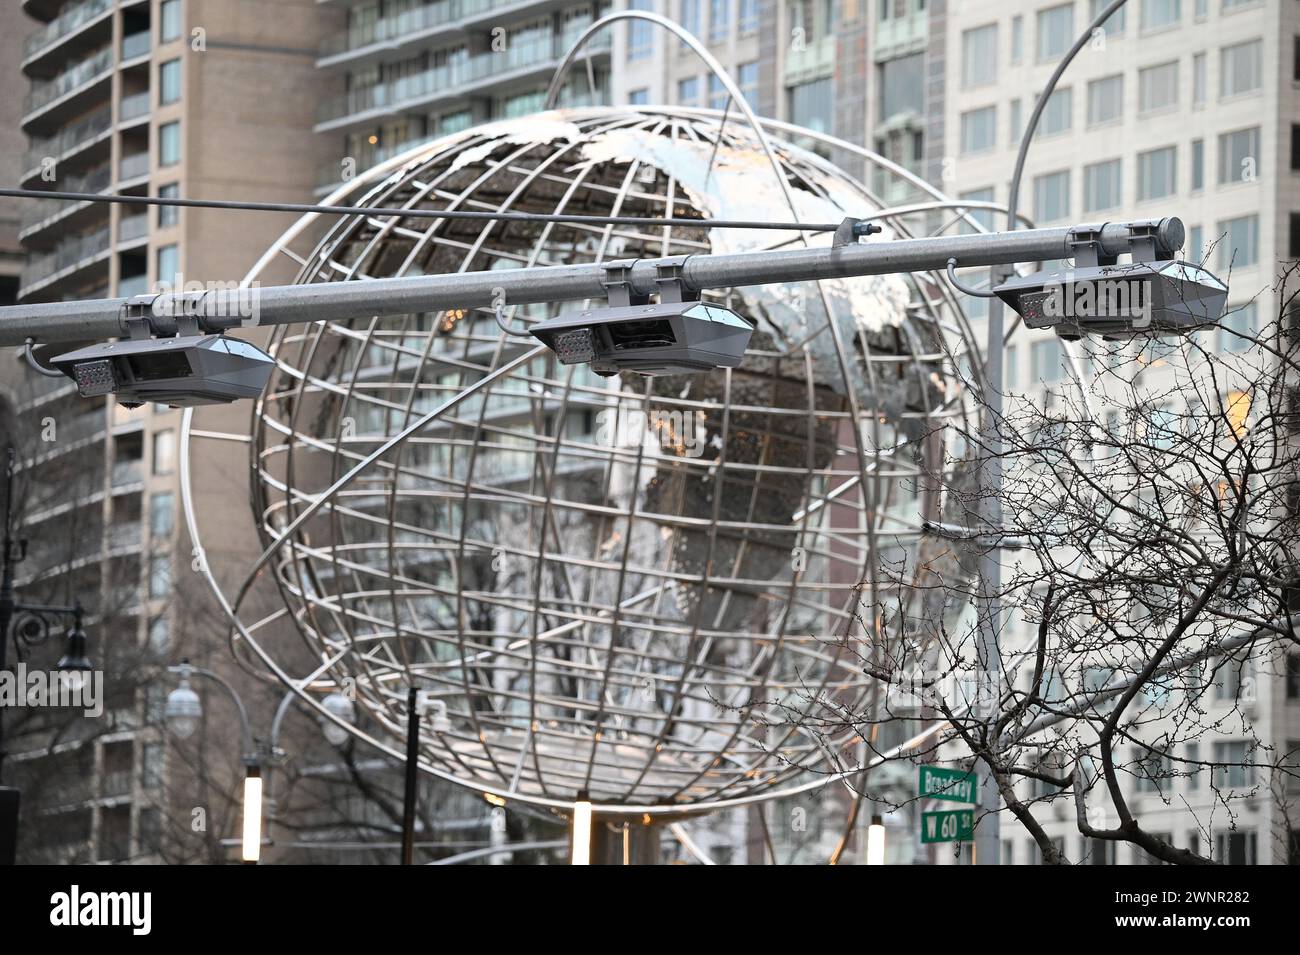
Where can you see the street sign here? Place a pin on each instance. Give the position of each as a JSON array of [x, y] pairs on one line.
[[954, 785], [955, 825]]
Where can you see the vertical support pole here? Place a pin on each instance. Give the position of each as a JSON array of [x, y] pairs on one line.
[[412, 776], [8, 796]]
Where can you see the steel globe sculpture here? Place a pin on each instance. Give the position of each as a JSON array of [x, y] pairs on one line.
[[646, 588]]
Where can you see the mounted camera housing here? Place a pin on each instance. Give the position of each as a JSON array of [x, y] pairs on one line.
[[678, 335], [181, 371], [1118, 301], [669, 338], [1153, 295]]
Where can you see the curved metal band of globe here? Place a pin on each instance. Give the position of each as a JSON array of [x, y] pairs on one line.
[[397, 472]]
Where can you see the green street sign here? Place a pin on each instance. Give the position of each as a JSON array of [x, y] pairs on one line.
[[954, 785], [955, 825]]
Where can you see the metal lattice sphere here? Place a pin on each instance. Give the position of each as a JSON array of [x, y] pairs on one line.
[[646, 588]]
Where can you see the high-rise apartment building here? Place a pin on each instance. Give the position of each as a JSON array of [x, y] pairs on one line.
[[178, 98], [408, 71]]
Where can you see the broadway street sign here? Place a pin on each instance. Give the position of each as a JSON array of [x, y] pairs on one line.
[[954, 785]]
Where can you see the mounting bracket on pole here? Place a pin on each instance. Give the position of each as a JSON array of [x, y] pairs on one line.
[[618, 284], [140, 315], [851, 229], [1150, 241], [668, 279], [1086, 248]]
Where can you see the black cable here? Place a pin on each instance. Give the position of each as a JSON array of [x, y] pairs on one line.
[[422, 213]]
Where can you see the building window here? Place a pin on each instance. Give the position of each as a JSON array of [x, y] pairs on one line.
[[1239, 156], [983, 216], [718, 94], [1152, 771], [151, 765], [688, 91], [1017, 39], [1158, 87], [1200, 80], [901, 87], [640, 33], [1157, 173], [1233, 769], [1102, 187], [1239, 242], [1045, 361], [1114, 24], [168, 265], [1052, 196], [747, 80], [169, 82], [1295, 147], [1156, 14], [1058, 113], [169, 20], [1055, 31], [810, 105], [169, 144], [1235, 848], [638, 97], [160, 576], [164, 451], [1293, 676], [1198, 165], [979, 56], [689, 14], [748, 17], [169, 215], [1017, 121], [1105, 99], [1241, 68], [160, 636], [719, 20], [1236, 333], [1195, 244], [979, 129], [161, 507]]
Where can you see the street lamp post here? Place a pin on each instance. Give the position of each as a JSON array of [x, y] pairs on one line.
[[988, 835], [182, 713], [34, 628]]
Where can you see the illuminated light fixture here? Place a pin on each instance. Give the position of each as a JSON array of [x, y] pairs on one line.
[[252, 842], [876, 841], [183, 710], [582, 830]]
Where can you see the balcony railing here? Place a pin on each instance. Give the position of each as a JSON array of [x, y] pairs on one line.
[[95, 180], [134, 227], [126, 472], [91, 68], [133, 106], [137, 44], [123, 537], [133, 166], [450, 77], [133, 285], [51, 147], [406, 23], [69, 253], [66, 22]]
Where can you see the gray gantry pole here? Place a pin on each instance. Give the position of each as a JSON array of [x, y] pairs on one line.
[[216, 310], [988, 834]]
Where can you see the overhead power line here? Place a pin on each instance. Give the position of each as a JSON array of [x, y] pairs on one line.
[[454, 214]]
